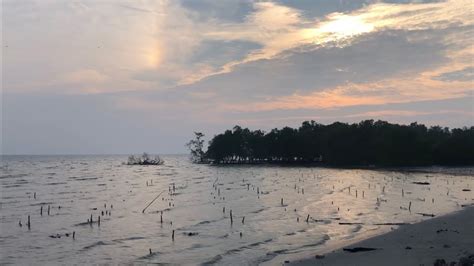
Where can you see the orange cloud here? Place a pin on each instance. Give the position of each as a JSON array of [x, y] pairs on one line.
[[394, 90]]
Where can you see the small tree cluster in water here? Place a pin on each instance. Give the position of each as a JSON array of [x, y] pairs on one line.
[[144, 160], [196, 148], [366, 143]]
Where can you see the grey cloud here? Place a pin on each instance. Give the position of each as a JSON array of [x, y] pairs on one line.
[[211, 53], [319, 8], [162, 78], [217, 53], [466, 74], [223, 10], [309, 69]]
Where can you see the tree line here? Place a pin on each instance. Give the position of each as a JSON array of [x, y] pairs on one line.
[[366, 143]]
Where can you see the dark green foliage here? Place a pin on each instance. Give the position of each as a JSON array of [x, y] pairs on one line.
[[366, 143]]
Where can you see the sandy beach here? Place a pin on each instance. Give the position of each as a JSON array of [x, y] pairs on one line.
[[448, 238]]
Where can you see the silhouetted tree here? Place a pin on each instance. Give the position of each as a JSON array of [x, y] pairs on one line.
[[196, 147], [366, 143]]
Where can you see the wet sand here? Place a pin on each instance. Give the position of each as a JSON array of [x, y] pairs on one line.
[[449, 237]]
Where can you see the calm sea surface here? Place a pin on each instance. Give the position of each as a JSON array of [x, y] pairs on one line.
[[76, 187]]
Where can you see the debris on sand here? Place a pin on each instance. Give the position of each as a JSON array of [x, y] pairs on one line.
[[421, 183], [426, 214], [358, 249]]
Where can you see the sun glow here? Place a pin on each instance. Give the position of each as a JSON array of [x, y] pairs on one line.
[[337, 27], [153, 59], [346, 26]]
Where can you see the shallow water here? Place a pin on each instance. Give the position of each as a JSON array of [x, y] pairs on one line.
[[77, 186]]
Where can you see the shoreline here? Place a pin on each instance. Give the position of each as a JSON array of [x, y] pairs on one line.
[[427, 169], [449, 237]]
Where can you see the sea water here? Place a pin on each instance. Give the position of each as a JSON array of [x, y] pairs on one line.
[[195, 201]]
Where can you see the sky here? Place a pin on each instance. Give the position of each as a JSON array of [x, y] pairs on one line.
[[118, 77]]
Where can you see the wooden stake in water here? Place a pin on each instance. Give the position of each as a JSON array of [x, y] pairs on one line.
[[409, 207], [98, 220], [49, 207], [231, 219], [307, 219], [74, 235], [41, 210], [243, 220], [172, 236], [281, 201], [29, 224]]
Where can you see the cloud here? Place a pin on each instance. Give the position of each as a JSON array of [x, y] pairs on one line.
[[279, 28], [466, 74], [168, 43], [85, 76], [223, 10], [396, 60], [317, 68], [454, 112], [49, 39], [217, 53]]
